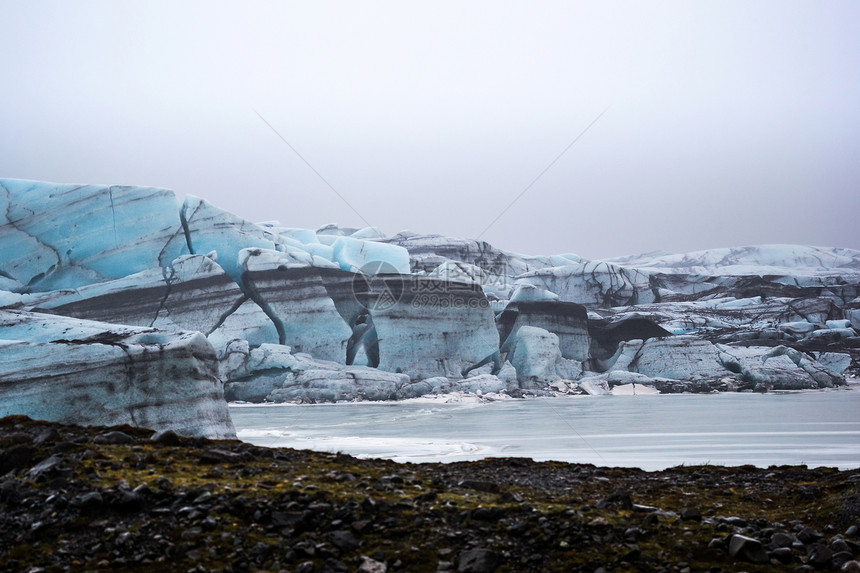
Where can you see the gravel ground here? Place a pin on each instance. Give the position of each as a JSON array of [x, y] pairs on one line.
[[77, 499]]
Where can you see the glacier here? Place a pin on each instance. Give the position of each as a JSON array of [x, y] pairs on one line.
[[86, 372], [283, 313], [106, 232]]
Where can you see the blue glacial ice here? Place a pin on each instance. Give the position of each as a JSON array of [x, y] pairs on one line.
[[358, 255], [347, 314], [84, 372], [66, 236]]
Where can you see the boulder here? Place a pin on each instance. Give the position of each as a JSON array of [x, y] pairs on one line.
[[676, 357], [836, 362], [341, 384], [748, 549], [538, 361], [483, 384], [477, 560]]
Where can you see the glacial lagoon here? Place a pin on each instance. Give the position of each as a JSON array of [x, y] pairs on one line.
[[816, 428]]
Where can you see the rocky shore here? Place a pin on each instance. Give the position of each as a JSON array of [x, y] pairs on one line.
[[129, 499]]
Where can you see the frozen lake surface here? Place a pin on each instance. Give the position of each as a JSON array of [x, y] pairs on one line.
[[820, 428]]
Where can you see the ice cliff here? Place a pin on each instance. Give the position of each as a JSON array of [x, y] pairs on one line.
[[293, 314], [84, 372]]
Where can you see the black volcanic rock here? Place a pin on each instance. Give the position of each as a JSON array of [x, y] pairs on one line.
[[280, 508]]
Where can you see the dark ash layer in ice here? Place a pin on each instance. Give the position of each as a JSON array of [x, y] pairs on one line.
[[335, 314]]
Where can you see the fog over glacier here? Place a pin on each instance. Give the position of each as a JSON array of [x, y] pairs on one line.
[[725, 124]]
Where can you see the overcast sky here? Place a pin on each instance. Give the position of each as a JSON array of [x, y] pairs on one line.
[[726, 124]]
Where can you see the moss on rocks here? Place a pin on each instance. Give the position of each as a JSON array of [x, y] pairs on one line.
[[76, 498]]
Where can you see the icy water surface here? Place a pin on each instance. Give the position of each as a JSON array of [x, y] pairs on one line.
[[819, 428]]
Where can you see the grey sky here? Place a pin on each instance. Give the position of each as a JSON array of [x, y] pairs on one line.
[[729, 123]]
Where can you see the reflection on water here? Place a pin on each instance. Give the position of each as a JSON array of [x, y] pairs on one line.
[[652, 432]]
